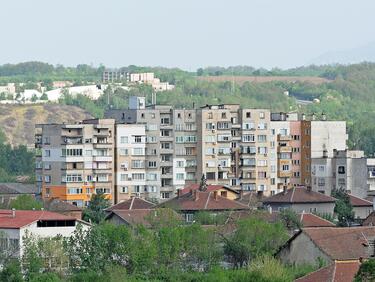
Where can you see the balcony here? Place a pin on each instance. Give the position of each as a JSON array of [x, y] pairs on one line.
[[167, 175], [102, 145], [285, 174], [284, 137], [102, 158], [284, 149]]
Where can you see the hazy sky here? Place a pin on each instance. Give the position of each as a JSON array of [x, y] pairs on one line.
[[186, 34]]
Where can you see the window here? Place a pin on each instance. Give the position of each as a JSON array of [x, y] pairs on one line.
[[285, 167], [321, 168], [261, 115], [190, 175], [102, 190], [123, 152], [210, 126], [138, 176], [166, 145], [224, 138], [248, 138], [191, 139], [166, 158], [137, 139], [248, 187], [210, 175], [248, 126], [210, 138], [138, 164], [47, 140], [165, 121], [223, 115], [124, 189], [341, 169], [152, 189], [123, 177], [179, 139], [262, 125], [47, 166], [152, 176], [321, 182], [72, 152], [150, 139], [137, 188], [138, 151], [248, 162], [210, 164], [151, 127], [72, 178], [178, 115], [74, 191], [341, 181], [165, 195], [152, 164], [210, 115], [262, 187], [189, 217], [180, 164], [190, 127], [210, 151], [223, 125], [262, 162], [180, 176], [262, 150], [262, 138], [124, 139], [47, 178], [248, 115], [165, 133], [47, 153], [262, 174]]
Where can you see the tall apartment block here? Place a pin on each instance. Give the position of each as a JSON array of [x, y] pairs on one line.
[[75, 160], [151, 151]]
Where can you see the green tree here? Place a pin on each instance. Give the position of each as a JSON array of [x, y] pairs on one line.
[[25, 202], [253, 237], [343, 207], [290, 219], [95, 211], [11, 271], [366, 272]]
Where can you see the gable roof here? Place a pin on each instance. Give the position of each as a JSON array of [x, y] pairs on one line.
[[358, 202], [18, 188], [134, 203], [339, 271], [137, 217], [25, 217], [299, 195], [343, 243], [370, 220], [312, 220], [57, 205], [251, 199], [197, 200], [210, 188]]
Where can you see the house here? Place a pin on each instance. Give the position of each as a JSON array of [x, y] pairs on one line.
[[223, 190], [197, 201], [10, 191], [301, 199], [361, 207], [370, 220], [340, 271], [135, 203], [144, 217], [252, 199], [15, 224], [329, 244], [56, 205]]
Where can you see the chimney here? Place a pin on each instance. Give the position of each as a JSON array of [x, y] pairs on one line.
[[195, 195], [284, 189], [308, 188], [13, 212], [215, 195]]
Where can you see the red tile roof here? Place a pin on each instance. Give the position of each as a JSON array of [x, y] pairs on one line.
[[134, 203], [136, 217], [339, 271], [198, 200], [358, 202], [370, 220], [299, 195], [312, 220], [26, 217], [343, 243], [210, 188]]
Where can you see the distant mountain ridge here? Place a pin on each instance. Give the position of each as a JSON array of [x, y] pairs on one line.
[[348, 56]]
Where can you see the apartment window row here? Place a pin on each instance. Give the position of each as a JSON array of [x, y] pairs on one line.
[[71, 152], [139, 189], [186, 139]]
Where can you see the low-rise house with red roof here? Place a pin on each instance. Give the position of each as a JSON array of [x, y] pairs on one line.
[[361, 207], [56, 205], [339, 271], [15, 224], [145, 217], [222, 190], [198, 200], [300, 200], [330, 244], [134, 203]]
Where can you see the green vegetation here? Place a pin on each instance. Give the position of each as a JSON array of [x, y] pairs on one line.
[[366, 272], [168, 252], [25, 202], [17, 161], [95, 211], [343, 207]]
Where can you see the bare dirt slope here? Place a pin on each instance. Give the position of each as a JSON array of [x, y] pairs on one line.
[[18, 121]]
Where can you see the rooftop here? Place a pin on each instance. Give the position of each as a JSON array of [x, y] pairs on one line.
[[23, 218], [57, 205], [210, 188], [340, 271], [299, 195], [134, 203], [18, 188], [358, 202], [345, 243], [198, 200]]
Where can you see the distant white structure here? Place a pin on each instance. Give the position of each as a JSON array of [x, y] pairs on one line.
[[28, 94], [91, 91], [10, 88]]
